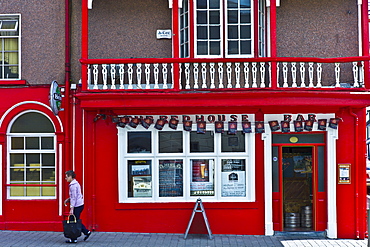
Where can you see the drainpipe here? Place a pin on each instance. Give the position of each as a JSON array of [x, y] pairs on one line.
[[355, 172], [67, 87]]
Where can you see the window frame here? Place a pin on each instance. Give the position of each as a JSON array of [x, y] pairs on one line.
[[186, 156], [223, 32], [30, 151], [2, 52]]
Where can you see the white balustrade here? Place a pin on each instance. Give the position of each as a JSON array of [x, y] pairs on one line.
[[210, 75]]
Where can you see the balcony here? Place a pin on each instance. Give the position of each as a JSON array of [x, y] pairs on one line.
[[199, 74]]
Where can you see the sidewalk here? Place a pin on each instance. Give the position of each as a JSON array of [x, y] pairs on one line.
[[21, 239]]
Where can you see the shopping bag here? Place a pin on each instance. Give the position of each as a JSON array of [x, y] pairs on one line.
[[72, 227]]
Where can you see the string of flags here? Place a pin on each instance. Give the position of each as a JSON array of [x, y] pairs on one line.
[[299, 125]]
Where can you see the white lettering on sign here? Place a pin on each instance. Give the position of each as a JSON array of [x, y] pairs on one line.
[[164, 34]]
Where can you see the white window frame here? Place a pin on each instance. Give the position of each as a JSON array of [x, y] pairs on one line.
[[186, 156], [24, 151], [223, 33], [18, 26]]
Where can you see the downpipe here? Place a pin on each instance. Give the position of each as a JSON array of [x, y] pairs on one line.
[[356, 173]]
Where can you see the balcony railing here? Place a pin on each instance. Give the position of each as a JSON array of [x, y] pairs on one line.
[[220, 74]]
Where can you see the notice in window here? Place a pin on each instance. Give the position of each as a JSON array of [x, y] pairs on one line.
[[233, 178], [170, 178], [140, 178], [202, 177]]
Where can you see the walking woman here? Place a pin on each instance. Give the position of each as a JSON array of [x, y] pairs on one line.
[[76, 201]]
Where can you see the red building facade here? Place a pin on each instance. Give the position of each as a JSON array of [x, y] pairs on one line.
[[256, 107]]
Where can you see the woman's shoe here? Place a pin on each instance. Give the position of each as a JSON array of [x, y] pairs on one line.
[[87, 235], [70, 241]]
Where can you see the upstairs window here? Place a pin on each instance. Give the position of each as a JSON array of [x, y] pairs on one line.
[[221, 28], [9, 47]]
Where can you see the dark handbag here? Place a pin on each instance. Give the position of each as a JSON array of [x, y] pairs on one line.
[[72, 228]]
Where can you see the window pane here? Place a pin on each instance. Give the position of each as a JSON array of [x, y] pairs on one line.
[[202, 32], [215, 48], [233, 143], [139, 178], [246, 47], [33, 160], [33, 191], [232, 3], [201, 142], [202, 47], [17, 143], [245, 3], [48, 159], [202, 17], [32, 122], [170, 142], [16, 174], [232, 16], [233, 178], [16, 191], [202, 4], [48, 191], [233, 47], [17, 160], [139, 142], [48, 174], [214, 17], [9, 24], [47, 143], [215, 32], [32, 143], [232, 32], [245, 32], [33, 174], [214, 4], [11, 45], [170, 178], [202, 179], [245, 16]]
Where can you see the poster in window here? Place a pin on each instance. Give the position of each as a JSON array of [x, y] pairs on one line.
[[170, 178], [202, 177], [139, 178], [233, 183]]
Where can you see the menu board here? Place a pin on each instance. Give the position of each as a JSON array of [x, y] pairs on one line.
[[233, 178], [202, 178], [170, 178]]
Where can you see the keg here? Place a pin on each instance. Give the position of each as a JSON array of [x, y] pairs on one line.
[[306, 216], [292, 220]]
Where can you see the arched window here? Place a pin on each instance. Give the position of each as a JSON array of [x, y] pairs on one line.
[[31, 157]]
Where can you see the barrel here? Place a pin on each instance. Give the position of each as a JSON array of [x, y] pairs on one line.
[[292, 220], [306, 216]]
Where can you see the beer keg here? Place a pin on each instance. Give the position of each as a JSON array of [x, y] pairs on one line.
[[292, 220], [306, 216]]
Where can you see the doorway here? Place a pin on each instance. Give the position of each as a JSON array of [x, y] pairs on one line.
[[299, 196], [297, 188]]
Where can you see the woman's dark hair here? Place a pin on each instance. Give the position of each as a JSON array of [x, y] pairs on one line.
[[71, 173]]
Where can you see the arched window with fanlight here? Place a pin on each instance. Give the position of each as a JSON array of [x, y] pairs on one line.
[[31, 157]]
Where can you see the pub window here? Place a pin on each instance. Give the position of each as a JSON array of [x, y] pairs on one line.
[[31, 158], [177, 165]]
